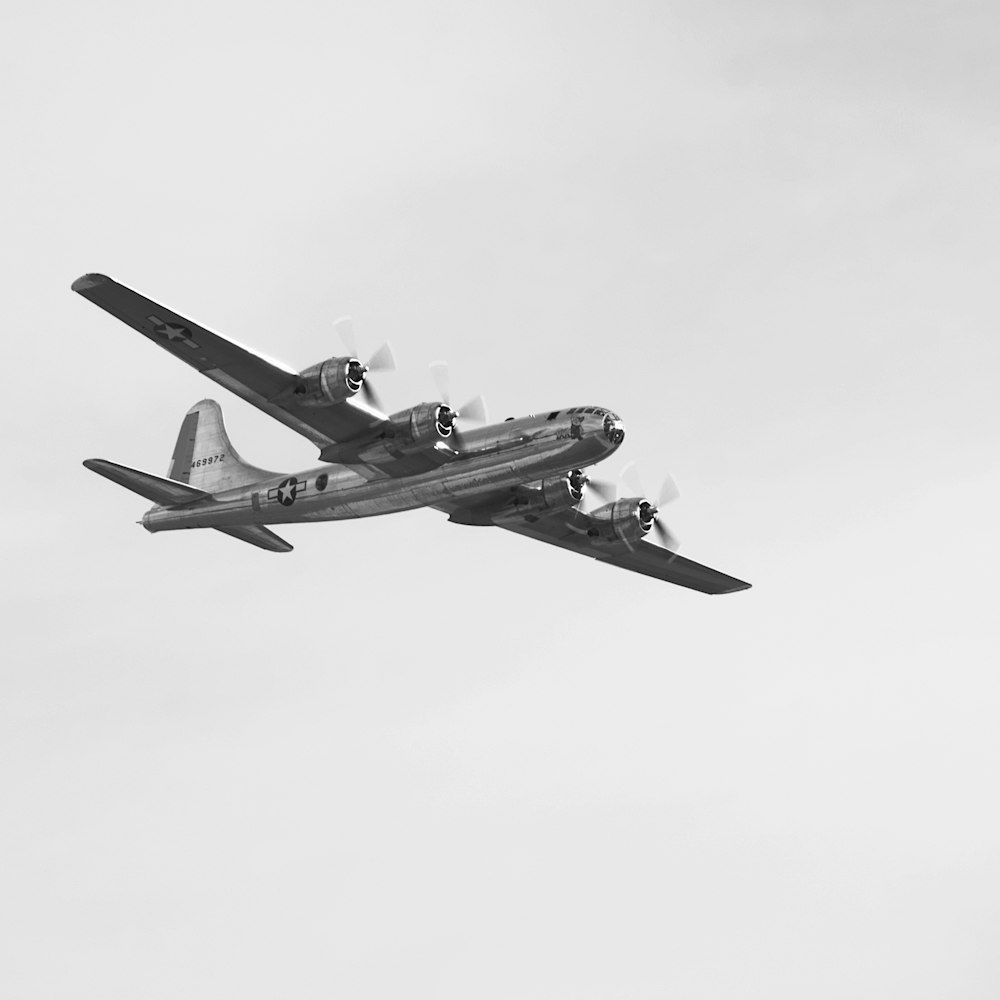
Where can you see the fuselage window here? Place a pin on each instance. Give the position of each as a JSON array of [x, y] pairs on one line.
[[321, 481]]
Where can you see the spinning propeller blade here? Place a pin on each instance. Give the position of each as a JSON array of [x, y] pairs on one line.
[[474, 410], [600, 488], [607, 491], [382, 360], [345, 330], [371, 396], [439, 372], [667, 538], [667, 494]]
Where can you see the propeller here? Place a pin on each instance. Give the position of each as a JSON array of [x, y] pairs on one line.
[[474, 409], [648, 511], [602, 488], [381, 361]]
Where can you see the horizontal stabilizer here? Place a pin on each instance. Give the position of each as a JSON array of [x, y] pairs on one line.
[[161, 491], [257, 535]]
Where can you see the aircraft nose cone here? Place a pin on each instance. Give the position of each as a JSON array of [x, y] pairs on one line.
[[614, 429]]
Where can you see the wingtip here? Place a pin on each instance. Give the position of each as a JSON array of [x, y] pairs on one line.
[[87, 281], [100, 465]]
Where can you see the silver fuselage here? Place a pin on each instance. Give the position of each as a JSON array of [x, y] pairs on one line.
[[489, 460]]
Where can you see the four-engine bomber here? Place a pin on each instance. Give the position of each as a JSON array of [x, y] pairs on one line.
[[527, 475]]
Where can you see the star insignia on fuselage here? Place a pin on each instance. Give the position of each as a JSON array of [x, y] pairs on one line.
[[286, 491]]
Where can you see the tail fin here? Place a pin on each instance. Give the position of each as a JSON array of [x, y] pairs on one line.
[[205, 458]]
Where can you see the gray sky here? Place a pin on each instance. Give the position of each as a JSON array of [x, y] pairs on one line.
[[416, 758]]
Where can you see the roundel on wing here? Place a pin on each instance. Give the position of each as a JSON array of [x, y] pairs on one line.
[[172, 331], [287, 491]]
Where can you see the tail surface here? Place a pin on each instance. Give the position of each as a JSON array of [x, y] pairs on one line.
[[205, 458], [204, 463], [257, 534], [161, 491], [170, 494]]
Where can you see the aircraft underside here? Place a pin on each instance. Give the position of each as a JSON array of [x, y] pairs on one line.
[[347, 495], [526, 475]]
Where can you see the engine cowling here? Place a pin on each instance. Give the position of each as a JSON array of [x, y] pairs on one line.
[[409, 433], [628, 520], [330, 381], [555, 493], [427, 423], [561, 492]]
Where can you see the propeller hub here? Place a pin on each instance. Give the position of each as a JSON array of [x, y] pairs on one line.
[[356, 373], [647, 514], [577, 482], [446, 418]]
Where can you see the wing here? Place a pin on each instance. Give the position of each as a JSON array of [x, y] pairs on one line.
[[568, 529], [268, 385]]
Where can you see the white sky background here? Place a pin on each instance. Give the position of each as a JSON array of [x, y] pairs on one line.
[[419, 759]]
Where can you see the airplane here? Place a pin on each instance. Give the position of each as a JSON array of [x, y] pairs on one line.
[[526, 475]]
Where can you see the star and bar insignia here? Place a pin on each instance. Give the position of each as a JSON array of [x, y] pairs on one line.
[[286, 491], [172, 331]]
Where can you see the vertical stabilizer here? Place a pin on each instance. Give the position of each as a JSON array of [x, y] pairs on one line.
[[204, 456]]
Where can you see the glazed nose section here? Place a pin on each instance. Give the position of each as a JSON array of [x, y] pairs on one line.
[[614, 429]]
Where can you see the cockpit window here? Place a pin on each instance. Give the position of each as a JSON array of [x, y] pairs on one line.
[[552, 415]]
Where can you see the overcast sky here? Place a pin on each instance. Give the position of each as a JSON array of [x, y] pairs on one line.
[[419, 759]]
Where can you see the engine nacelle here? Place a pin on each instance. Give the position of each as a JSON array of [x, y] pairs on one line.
[[563, 491], [627, 520], [421, 425], [408, 434], [331, 381], [556, 493]]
